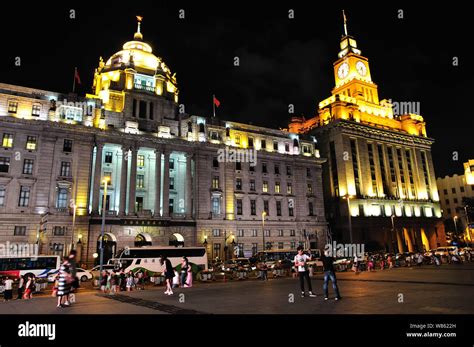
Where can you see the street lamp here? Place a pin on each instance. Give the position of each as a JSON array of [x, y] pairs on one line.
[[105, 181], [455, 219], [264, 214], [348, 198]]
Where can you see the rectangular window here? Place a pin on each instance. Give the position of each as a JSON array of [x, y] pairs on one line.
[[240, 233], [4, 164], [171, 206], [238, 166], [264, 167], [265, 187], [278, 208], [253, 207], [277, 169], [252, 168], [462, 189], [171, 164], [287, 147], [216, 232], [151, 111], [289, 188], [7, 140], [447, 201], [254, 233], [59, 231], [19, 230], [385, 183], [28, 166], [140, 181], [12, 106], [142, 109], [238, 184], [455, 200], [277, 187], [250, 142], [36, 110], [141, 160], [237, 139], [215, 182], [24, 198], [239, 207], [171, 183], [134, 108], [31, 143], [263, 144], [2, 195], [107, 176], [290, 211], [308, 172], [280, 233], [292, 232], [293, 244], [275, 146], [445, 191], [108, 157], [216, 205], [333, 162], [453, 190], [62, 198], [267, 233], [288, 170], [215, 162], [265, 207], [67, 146], [65, 169], [355, 166], [310, 208], [254, 248], [280, 245], [252, 185]]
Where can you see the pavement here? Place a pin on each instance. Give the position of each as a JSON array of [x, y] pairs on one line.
[[418, 290]]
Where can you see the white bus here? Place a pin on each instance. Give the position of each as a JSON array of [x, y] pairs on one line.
[[147, 258], [40, 266]]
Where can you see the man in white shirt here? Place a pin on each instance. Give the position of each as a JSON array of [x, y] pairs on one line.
[[8, 294], [301, 260]]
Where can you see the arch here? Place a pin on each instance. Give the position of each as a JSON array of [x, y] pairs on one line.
[[143, 239], [176, 239], [109, 244]]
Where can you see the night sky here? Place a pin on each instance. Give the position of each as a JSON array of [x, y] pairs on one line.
[[282, 61]]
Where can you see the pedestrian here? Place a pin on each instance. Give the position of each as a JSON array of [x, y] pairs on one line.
[[382, 262], [184, 271], [370, 265], [103, 281], [130, 282], [329, 274], [108, 283], [390, 261], [189, 278], [21, 287], [28, 288], [64, 284], [301, 260], [355, 265], [419, 259], [168, 272], [175, 279], [8, 293], [264, 268]]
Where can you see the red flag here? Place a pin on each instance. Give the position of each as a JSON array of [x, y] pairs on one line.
[[76, 76], [216, 102]]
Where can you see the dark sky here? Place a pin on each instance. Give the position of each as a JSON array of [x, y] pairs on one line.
[[282, 61]]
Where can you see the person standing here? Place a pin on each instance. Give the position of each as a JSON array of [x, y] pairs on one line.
[[184, 271], [264, 269], [189, 279], [8, 293], [169, 274], [301, 260], [21, 287], [64, 284], [329, 274], [28, 288]]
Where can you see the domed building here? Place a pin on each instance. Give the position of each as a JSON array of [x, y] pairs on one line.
[[135, 85]]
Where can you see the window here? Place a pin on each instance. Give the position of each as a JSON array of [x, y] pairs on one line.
[[58, 248], [67, 146], [254, 248], [290, 211], [445, 191], [237, 139], [4, 164], [277, 187], [265, 187], [462, 189], [216, 205], [134, 106], [19, 231], [288, 170], [250, 142], [447, 201], [2, 196], [310, 188], [215, 182], [215, 162], [238, 184], [264, 167], [293, 244], [265, 207], [202, 130], [216, 232], [267, 233], [263, 144], [239, 207], [28, 167], [107, 176], [310, 208], [277, 169], [31, 143], [308, 172], [36, 110], [453, 190], [7, 141], [289, 188], [275, 146], [214, 135], [268, 245], [280, 245], [449, 210], [151, 115], [306, 149], [171, 206], [254, 233], [142, 109], [292, 232], [280, 233], [141, 181], [253, 207], [24, 198], [62, 198], [240, 233], [59, 231], [171, 164], [278, 208], [252, 167], [141, 160], [252, 185], [238, 166], [240, 248], [455, 200], [12, 106], [287, 147], [108, 157], [171, 183], [65, 169]]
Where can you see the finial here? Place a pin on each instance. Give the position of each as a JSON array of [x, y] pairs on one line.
[[345, 22], [138, 35]]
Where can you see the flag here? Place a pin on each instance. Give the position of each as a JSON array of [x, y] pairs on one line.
[[139, 18], [216, 102], [76, 76]]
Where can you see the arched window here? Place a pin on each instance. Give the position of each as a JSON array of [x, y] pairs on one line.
[[201, 127], [190, 127]]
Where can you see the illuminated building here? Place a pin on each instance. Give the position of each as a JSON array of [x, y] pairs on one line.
[[379, 157], [452, 190], [166, 184]]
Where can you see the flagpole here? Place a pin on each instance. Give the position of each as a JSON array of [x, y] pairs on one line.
[[213, 105], [74, 80]]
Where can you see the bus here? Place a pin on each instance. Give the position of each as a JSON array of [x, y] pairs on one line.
[[147, 258], [274, 256], [40, 266]]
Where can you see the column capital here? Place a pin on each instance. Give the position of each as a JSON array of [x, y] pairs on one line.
[[159, 150]]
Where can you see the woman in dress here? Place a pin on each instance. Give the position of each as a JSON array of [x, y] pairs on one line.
[[189, 279], [64, 284], [184, 271], [168, 272]]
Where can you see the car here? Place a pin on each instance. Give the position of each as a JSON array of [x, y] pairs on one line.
[[444, 251], [96, 269], [82, 274], [464, 250]]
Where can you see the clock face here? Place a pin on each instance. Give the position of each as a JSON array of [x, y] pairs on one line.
[[343, 70], [361, 68]]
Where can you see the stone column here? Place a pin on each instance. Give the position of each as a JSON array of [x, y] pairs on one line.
[[158, 181], [133, 182], [97, 179], [123, 181], [189, 186], [166, 184]]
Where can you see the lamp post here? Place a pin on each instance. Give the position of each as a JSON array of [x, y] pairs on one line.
[[455, 219], [264, 214], [105, 181], [348, 198]]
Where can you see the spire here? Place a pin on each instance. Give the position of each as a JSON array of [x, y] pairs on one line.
[[345, 22], [138, 35]]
